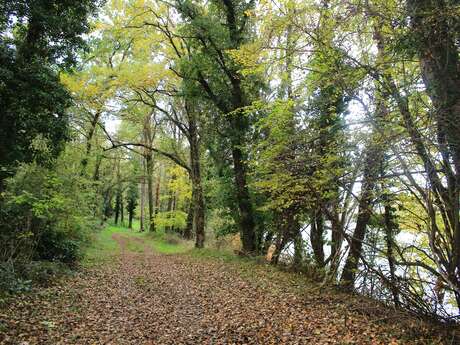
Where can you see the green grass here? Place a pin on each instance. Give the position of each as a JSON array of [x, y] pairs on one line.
[[103, 247], [166, 243], [209, 253]]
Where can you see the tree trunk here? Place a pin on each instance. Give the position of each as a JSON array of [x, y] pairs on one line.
[[370, 174], [122, 214], [440, 65], [157, 194], [118, 194], [390, 227], [169, 208], [336, 241], [289, 230], [298, 250], [317, 237], [231, 105], [197, 188], [198, 216], [130, 219], [173, 211], [89, 138], [188, 231], [246, 219], [117, 208], [373, 160], [141, 220], [97, 168], [149, 166]]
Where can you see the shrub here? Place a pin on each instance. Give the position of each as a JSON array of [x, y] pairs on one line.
[[57, 246], [41, 272], [10, 280], [43, 217]]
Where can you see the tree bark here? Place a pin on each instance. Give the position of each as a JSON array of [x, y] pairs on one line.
[[122, 214], [157, 194], [148, 136], [198, 216], [197, 188], [364, 213], [390, 227], [169, 208], [117, 208], [373, 160], [149, 166], [317, 236], [130, 219], [289, 226], [298, 250], [188, 231], [118, 194], [142, 207], [246, 219], [230, 104], [89, 138], [336, 240], [440, 65]]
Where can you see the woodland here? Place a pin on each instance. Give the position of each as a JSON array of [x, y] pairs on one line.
[[320, 136]]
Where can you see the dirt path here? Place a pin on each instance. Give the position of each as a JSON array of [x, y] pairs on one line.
[[144, 298]]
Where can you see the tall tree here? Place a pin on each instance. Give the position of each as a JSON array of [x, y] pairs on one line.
[[211, 68], [38, 39]]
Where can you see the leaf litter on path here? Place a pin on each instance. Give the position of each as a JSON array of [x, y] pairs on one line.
[[146, 298]]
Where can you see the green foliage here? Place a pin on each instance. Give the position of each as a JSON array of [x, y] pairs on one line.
[[39, 219], [132, 195], [167, 243], [223, 216], [20, 277], [33, 106], [37, 38], [172, 219], [10, 281]]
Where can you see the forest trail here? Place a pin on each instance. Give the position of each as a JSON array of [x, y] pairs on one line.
[[143, 297]]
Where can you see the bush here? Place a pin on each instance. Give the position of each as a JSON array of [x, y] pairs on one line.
[[57, 246], [43, 217], [39, 218], [10, 280], [19, 277], [42, 272]]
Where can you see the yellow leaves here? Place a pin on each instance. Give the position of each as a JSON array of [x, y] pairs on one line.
[[249, 13], [139, 74], [180, 183], [250, 56], [129, 54], [70, 82], [90, 85]]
